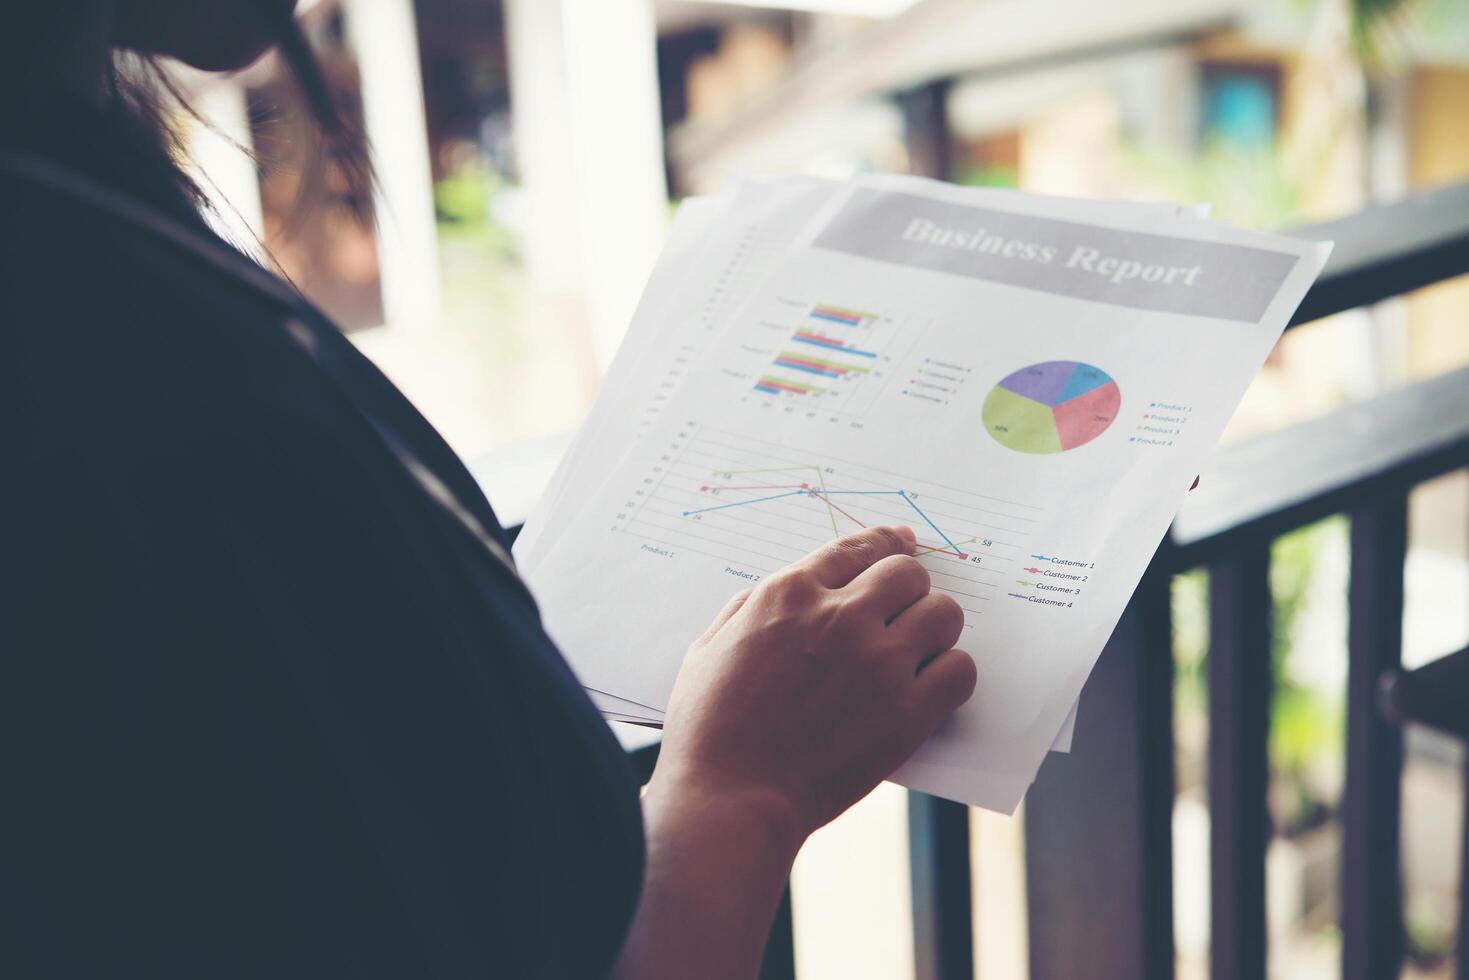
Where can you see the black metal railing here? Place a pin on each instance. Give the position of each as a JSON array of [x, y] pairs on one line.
[[1098, 822], [1361, 461]]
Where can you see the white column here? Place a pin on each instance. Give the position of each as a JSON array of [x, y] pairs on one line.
[[384, 35], [584, 91], [544, 150], [219, 159]]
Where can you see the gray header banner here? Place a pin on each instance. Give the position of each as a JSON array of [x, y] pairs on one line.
[[1101, 265]]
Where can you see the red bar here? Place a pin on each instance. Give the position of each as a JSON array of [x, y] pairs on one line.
[[816, 336], [777, 384]]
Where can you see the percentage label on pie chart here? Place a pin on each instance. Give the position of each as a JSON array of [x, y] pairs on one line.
[[1051, 407]]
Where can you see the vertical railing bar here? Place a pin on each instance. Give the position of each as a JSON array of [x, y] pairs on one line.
[[927, 134], [1155, 759], [938, 856], [779, 961], [1240, 614], [1371, 915], [1462, 952], [1099, 822]]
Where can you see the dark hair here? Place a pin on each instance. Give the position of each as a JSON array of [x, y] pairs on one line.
[[136, 148]]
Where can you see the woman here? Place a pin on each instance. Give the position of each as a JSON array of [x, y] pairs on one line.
[[276, 702]]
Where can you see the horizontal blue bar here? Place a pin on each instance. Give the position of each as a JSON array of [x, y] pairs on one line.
[[849, 321]]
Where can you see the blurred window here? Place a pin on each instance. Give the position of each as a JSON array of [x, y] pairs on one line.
[[1240, 104]]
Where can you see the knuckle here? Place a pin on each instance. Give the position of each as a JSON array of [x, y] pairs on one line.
[[913, 569], [891, 539], [787, 584], [857, 547]]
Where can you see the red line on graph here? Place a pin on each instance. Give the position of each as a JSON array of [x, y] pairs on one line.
[[837, 508]]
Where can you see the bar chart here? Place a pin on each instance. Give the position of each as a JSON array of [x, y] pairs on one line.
[[835, 358]]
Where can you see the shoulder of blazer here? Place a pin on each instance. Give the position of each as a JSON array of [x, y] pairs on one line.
[[28, 171]]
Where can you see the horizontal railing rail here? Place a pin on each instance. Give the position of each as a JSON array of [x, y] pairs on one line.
[[1388, 250], [1274, 483]]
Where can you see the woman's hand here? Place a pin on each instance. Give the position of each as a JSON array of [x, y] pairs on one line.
[[811, 688], [802, 695]]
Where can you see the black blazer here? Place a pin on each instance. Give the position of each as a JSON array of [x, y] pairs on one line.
[[274, 701]]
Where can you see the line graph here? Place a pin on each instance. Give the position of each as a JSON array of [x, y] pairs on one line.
[[757, 506], [825, 494]]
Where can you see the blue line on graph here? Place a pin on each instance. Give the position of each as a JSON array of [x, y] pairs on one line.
[[740, 503], [869, 493], [813, 492], [809, 370], [1040, 557], [904, 495]]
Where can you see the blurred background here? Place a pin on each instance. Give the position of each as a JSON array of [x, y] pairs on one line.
[[529, 155]]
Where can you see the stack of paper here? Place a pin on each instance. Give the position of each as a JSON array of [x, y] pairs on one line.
[[1030, 383]]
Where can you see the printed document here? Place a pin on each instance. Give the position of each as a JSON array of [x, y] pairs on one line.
[[1030, 384]]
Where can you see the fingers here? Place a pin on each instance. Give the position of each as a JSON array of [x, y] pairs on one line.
[[841, 561], [891, 585], [930, 625], [734, 605], [943, 684]]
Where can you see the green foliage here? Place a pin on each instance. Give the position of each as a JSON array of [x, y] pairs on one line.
[[1306, 723], [1378, 29], [1430, 938], [1250, 187], [463, 206], [990, 177], [463, 198], [1191, 641]]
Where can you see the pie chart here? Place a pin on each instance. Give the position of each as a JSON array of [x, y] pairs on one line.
[[1051, 407]]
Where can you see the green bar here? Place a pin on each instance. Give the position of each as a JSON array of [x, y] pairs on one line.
[[842, 309], [822, 362], [782, 382]]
